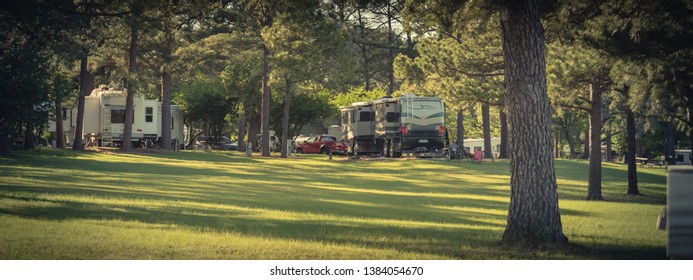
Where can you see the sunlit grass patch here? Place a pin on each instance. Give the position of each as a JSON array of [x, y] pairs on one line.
[[223, 205]]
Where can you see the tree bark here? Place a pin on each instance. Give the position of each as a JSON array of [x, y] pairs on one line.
[[29, 136], [84, 76], [391, 50], [166, 81], [594, 188], [129, 98], [533, 215], [571, 142], [669, 152], [503, 134], [486, 125], [586, 149], [59, 128], [241, 130], [265, 107], [460, 128], [285, 123], [165, 109], [608, 144], [253, 130], [630, 153]]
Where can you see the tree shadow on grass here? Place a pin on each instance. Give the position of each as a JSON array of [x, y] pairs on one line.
[[441, 239], [398, 203]]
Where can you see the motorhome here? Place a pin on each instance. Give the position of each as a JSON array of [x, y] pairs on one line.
[[406, 125], [104, 119]]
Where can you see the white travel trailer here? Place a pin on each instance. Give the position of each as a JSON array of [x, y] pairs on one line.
[[104, 118], [472, 145]]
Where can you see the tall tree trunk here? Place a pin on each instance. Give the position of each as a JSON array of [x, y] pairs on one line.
[[608, 144], [586, 149], [669, 152], [59, 128], [364, 50], [84, 77], [165, 109], [366, 69], [285, 126], [166, 82], [594, 188], [533, 216], [571, 141], [241, 130], [503, 134], [460, 127], [630, 153], [265, 108], [29, 136], [391, 51], [129, 98], [253, 126], [486, 125], [191, 135]]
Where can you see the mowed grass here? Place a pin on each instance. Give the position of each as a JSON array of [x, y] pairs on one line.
[[57, 204]]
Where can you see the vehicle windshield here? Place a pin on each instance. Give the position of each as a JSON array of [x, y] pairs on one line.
[[329, 139]]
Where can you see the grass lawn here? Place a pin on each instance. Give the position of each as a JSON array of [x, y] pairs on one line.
[[58, 204]]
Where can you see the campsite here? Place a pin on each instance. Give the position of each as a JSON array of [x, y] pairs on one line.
[[336, 130]]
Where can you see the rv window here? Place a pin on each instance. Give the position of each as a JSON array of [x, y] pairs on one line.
[[118, 116], [64, 114], [149, 114], [171, 123], [364, 116], [351, 117], [391, 117]]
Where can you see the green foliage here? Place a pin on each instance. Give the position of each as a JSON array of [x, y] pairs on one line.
[[242, 79], [570, 71], [311, 104], [357, 94], [204, 99], [460, 70]]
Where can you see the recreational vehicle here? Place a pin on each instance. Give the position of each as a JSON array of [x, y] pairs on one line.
[[683, 157], [104, 119], [407, 125], [477, 144]]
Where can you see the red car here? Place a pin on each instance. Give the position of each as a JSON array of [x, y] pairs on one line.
[[320, 144]]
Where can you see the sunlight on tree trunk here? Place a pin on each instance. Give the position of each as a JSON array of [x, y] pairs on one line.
[[533, 216]]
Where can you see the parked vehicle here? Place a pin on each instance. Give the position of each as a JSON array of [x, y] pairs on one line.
[[104, 119], [222, 143], [406, 125], [320, 144]]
